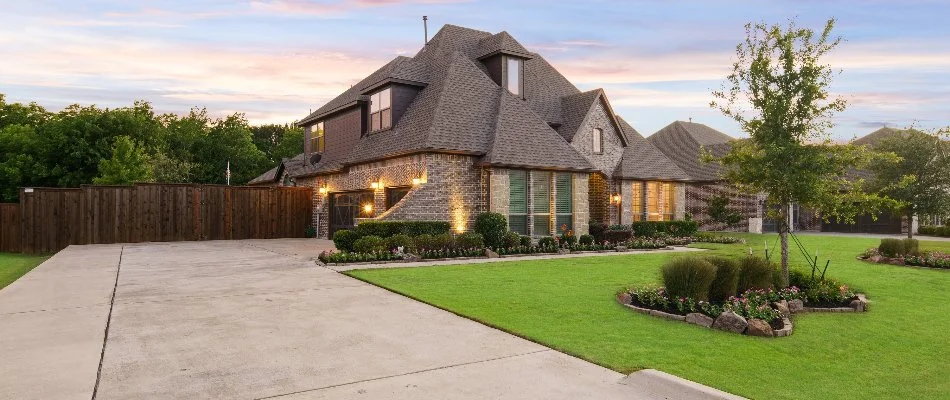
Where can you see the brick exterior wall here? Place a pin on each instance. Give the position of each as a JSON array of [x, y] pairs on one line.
[[598, 195], [581, 204], [697, 205], [612, 145]]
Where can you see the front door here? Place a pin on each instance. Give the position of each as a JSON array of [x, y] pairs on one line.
[[345, 208]]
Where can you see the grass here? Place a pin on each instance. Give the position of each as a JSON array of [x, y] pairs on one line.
[[898, 349], [13, 266]]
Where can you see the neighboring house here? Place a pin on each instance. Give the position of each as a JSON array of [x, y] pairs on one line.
[[475, 122]]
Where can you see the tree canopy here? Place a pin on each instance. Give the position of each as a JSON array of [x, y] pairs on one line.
[[778, 92], [87, 144]]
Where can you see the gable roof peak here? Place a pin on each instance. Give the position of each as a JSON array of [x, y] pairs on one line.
[[501, 43]]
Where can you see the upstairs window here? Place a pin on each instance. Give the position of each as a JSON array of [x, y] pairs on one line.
[[598, 138], [318, 140], [380, 110], [513, 79]]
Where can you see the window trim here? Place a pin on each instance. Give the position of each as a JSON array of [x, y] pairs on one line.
[[382, 126], [507, 72], [597, 141]]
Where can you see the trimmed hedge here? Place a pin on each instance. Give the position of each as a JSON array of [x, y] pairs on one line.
[[934, 230], [470, 240], [369, 244], [492, 227], [344, 239], [385, 229], [672, 228], [899, 247]]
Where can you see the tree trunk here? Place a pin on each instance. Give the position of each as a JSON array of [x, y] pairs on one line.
[[783, 229], [910, 225]]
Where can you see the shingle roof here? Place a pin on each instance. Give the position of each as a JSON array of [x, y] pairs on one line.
[[642, 160], [501, 42], [683, 142], [295, 164], [459, 108]]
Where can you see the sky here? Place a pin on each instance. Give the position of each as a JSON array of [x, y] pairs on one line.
[[275, 60]]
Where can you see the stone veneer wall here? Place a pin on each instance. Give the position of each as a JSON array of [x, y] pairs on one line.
[[697, 204], [612, 145]]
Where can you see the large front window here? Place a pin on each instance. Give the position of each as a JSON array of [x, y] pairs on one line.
[[660, 201], [513, 75], [380, 110], [318, 138], [564, 201], [541, 202], [518, 201], [636, 205]]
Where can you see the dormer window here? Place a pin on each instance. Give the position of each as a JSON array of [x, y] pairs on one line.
[[380, 110], [318, 140], [513, 73]]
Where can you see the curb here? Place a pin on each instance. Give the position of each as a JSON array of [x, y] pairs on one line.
[[658, 384]]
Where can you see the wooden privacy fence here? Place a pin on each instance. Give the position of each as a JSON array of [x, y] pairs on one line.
[[48, 220]]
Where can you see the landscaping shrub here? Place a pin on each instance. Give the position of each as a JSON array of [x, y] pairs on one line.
[[386, 229], [688, 277], [547, 242], [586, 239], [511, 239], [470, 240], [704, 237], [617, 236], [933, 259], [754, 273], [525, 240], [672, 228], [348, 257], [597, 230], [726, 282], [310, 232], [911, 247], [828, 292], [369, 244], [935, 230], [443, 241], [423, 242], [400, 240], [567, 239], [492, 227], [891, 247], [344, 239]]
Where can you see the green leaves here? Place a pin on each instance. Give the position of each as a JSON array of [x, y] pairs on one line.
[[127, 165]]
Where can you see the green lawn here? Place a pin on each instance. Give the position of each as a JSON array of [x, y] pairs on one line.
[[900, 349], [14, 265]]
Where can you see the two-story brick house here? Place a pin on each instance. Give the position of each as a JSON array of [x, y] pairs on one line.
[[475, 122]]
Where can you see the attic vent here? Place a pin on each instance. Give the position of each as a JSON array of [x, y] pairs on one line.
[[315, 158]]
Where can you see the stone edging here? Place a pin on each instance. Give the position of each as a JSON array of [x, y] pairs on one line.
[[787, 309]]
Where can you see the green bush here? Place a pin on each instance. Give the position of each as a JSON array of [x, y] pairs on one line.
[[911, 247], [587, 239], [726, 282], [688, 277], [310, 232], [386, 229], [798, 278], [511, 239], [492, 227], [525, 240], [597, 230], [400, 240], [344, 239], [443, 241], [935, 230], [423, 242], [369, 244], [567, 239], [470, 240], [927, 230], [546, 242], [617, 236], [672, 228], [891, 247], [755, 273]]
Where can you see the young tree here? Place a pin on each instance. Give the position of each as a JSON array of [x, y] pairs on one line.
[[778, 93], [920, 181], [127, 165]]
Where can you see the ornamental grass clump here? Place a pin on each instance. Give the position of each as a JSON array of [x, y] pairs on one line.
[[726, 282], [688, 277], [755, 273], [891, 247]]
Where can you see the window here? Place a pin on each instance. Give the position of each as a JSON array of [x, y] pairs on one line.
[[513, 75], [394, 195], [598, 138], [660, 201], [518, 201], [541, 202], [636, 206], [380, 110], [317, 138], [564, 202]]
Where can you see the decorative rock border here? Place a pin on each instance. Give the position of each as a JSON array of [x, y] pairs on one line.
[[731, 322]]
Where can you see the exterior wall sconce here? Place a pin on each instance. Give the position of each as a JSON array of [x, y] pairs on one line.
[[376, 185], [323, 190], [416, 181], [615, 198], [367, 208]]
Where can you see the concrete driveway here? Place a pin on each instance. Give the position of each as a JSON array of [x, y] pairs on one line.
[[257, 319]]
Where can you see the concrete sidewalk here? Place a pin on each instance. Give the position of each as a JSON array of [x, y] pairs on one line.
[[257, 319]]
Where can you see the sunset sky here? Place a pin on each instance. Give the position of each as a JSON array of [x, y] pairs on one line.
[[275, 60]]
